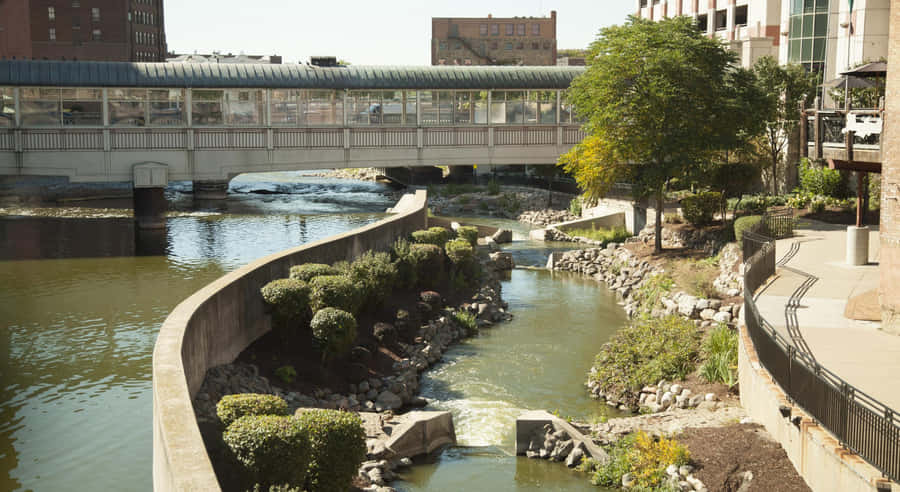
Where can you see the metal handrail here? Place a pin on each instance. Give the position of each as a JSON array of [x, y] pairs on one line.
[[859, 421]]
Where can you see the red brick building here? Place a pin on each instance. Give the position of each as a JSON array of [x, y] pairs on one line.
[[493, 40], [105, 30]]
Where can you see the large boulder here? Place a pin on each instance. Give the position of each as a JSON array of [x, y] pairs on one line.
[[502, 236]]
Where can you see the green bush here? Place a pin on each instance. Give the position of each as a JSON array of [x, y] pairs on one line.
[[233, 407], [700, 209], [575, 207], [743, 224], [819, 180], [509, 203], [645, 352], [338, 444], [817, 205], [493, 187], [427, 261], [672, 218], [337, 291], [375, 275], [720, 349], [406, 273], [308, 271], [644, 457], [334, 331], [648, 295], [433, 235], [460, 252], [286, 374], [289, 299], [755, 205], [465, 320], [272, 449], [469, 233]]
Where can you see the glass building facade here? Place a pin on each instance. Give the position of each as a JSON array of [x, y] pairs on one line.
[[808, 34]]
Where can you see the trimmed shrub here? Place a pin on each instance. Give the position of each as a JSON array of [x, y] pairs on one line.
[[700, 209], [375, 273], [755, 205], [645, 352], [460, 252], [308, 271], [272, 449], [469, 233], [334, 331], [743, 224], [233, 407], [434, 235], [427, 261], [288, 297], [338, 444], [336, 291]]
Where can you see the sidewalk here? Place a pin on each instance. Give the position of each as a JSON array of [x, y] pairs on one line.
[[857, 351]]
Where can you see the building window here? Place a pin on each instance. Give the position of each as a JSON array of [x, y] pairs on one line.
[[51, 13], [52, 34], [494, 45], [520, 30], [483, 30], [740, 16], [457, 45], [454, 30], [467, 61], [96, 35], [442, 45], [546, 45], [643, 3], [535, 29], [535, 45], [507, 46], [76, 4], [520, 45], [510, 29], [721, 20], [76, 22], [495, 29], [703, 23], [95, 14], [807, 33]]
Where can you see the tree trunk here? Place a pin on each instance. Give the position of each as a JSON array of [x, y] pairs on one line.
[[657, 242]]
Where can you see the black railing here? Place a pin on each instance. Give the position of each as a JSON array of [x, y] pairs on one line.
[[861, 423], [776, 224]]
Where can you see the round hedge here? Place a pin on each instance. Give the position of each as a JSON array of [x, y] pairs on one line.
[[334, 331], [308, 271], [272, 449], [460, 252], [233, 407], [437, 236], [469, 233], [338, 444], [743, 224], [376, 274], [427, 261], [336, 291], [700, 209], [288, 297]]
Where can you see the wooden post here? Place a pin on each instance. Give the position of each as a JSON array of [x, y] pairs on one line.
[[804, 130], [817, 128], [860, 186]]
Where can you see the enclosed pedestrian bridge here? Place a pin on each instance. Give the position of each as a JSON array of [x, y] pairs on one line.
[[154, 123]]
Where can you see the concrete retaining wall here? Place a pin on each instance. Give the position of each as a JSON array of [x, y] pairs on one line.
[[444, 222], [215, 324], [608, 221], [815, 453]]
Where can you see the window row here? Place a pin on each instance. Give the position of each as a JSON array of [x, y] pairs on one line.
[[47, 107], [509, 29], [144, 38], [144, 18], [95, 15]]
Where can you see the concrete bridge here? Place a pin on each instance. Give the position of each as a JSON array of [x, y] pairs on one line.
[[148, 124]]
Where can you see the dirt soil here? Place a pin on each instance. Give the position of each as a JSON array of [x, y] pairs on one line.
[[722, 454], [838, 216]]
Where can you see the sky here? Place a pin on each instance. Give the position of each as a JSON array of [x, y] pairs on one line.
[[361, 32]]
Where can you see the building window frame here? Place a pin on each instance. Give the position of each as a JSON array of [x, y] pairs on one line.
[[51, 13]]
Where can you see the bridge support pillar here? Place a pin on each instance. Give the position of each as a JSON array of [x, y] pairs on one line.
[[462, 174], [210, 190], [150, 208]]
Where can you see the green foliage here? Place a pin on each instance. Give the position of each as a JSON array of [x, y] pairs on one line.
[[648, 295], [460, 252], [658, 98], [233, 407], [289, 299], [469, 233], [338, 448], [271, 449], [874, 191], [406, 273], [644, 352], [427, 262], [701, 286], [700, 209], [575, 206], [433, 235], [509, 203], [819, 180], [337, 291], [743, 224], [493, 187], [641, 455], [615, 235], [308, 271], [375, 275], [286, 374], [673, 218], [465, 320], [720, 351], [756, 205], [817, 205], [334, 331]]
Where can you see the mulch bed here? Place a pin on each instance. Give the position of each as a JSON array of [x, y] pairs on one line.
[[722, 454]]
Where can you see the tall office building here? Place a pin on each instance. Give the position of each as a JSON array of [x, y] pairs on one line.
[[493, 40], [106, 30]]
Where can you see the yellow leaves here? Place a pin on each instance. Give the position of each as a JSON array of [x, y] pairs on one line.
[[650, 458], [595, 164]]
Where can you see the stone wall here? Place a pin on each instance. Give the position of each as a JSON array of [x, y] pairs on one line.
[[215, 324], [890, 190]]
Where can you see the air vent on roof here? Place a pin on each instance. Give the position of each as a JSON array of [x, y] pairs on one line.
[[323, 61]]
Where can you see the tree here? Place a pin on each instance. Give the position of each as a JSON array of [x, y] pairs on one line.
[[783, 89], [657, 99]]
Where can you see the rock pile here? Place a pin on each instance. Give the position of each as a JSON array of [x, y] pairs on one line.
[[707, 240], [548, 443], [546, 216], [730, 281]]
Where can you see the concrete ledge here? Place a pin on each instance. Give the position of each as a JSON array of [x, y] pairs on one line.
[[219, 321], [608, 221], [814, 452], [534, 421], [422, 433]]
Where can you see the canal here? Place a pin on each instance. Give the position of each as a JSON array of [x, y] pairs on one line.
[[82, 300]]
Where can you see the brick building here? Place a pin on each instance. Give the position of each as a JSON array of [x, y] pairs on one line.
[[493, 40], [105, 30]]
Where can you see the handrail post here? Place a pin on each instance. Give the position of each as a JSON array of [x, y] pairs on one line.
[[819, 135]]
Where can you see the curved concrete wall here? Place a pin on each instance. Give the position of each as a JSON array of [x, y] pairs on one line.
[[215, 324]]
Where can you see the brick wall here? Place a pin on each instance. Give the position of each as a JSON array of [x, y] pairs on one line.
[[890, 189]]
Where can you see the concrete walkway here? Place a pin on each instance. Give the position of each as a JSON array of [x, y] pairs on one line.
[[812, 270]]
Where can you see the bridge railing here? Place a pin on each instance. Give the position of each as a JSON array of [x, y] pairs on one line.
[[839, 134]]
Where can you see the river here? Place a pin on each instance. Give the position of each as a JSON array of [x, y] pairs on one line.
[[82, 300]]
